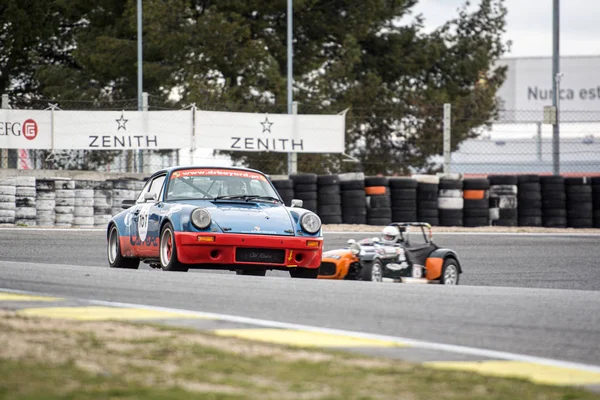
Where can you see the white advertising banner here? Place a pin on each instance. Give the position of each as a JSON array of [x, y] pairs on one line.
[[528, 88], [299, 133], [25, 129], [122, 130]]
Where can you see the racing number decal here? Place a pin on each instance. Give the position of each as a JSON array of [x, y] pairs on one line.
[[143, 222]]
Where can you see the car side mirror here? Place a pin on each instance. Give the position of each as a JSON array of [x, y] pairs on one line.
[[150, 196], [297, 203], [125, 204]]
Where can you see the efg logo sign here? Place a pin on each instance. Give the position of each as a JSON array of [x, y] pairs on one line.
[[28, 129]]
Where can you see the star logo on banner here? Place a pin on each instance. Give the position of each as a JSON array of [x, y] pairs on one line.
[[121, 121], [266, 125]]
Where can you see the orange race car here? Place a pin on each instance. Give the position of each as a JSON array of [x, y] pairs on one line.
[[397, 256]]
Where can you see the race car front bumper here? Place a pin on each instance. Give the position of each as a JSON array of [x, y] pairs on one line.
[[244, 249]]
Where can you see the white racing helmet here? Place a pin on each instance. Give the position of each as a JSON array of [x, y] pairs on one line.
[[390, 235]]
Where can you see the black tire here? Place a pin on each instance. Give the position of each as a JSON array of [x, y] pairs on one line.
[[251, 272], [450, 184], [113, 250], [331, 219], [354, 219], [326, 180], [329, 190], [354, 184], [503, 179], [368, 272], [552, 179], [330, 209], [305, 187], [304, 178], [483, 204], [404, 194], [305, 195], [528, 179], [305, 273], [167, 249], [476, 184], [403, 183], [376, 181], [450, 272], [379, 201], [283, 184]]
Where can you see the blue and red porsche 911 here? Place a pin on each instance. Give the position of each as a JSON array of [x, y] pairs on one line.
[[215, 218]]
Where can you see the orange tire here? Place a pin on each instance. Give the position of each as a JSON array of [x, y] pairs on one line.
[[474, 194], [375, 190]]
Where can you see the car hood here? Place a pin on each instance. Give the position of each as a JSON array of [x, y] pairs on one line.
[[258, 218]]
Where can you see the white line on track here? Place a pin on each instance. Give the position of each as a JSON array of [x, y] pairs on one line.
[[370, 336]]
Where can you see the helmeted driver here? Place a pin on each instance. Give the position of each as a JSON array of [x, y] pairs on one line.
[[235, 187], [390, 235]]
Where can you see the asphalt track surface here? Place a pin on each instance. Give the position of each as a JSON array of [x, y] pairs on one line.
[[530, 294]]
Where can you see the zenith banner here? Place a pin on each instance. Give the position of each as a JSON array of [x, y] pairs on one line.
[[122, 130], [289, 133]]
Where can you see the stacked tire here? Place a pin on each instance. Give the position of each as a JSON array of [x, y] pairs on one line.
[[427, 198], [595, 181], [83, 211], [554, 201], [329, 201], [45, 202], [25, 212], [403, 192], [285, 188], [476, 204], [579, 203], [379, 204], [354, 201], [64, 189], [7, 200], [503, 200], [450, 202], [123, 189], [529, 199], [305, 189], [102, 203]]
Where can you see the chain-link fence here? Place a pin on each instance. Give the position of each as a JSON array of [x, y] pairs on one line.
[[379, 140], [520, 143]]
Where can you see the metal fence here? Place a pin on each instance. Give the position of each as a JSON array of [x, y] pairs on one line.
[[516, 142]]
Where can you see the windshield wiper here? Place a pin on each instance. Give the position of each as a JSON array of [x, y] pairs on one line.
[[246, 197]]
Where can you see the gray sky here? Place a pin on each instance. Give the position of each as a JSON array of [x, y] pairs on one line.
[[529, 24]]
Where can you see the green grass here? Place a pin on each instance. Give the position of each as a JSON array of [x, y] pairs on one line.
[[43, 359]]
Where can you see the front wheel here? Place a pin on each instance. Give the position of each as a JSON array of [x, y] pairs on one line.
[[372, 272], [449, 272], [115, 258], [168, 250], [307, 273]]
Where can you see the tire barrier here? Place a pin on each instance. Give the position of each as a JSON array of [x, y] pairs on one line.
[[595, 182], [45, 204], [83, 210], [554, 201], [379, 204], [427, 198], [503, 200], [103, 201], [529, 200], [285, 188], [305, 189], [65, 202], [354, 201], [579, 203], [403, 192], [450, 202], [476, 204], [329, 201], [25, 211], [7, 200]]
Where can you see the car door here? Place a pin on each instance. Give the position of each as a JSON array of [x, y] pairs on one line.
[[147, 217]]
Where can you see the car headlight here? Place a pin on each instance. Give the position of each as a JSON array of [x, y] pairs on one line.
[[310, 222], [355, 248], [200, 218]]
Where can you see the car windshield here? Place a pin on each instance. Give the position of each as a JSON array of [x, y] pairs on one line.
[[219, 184]]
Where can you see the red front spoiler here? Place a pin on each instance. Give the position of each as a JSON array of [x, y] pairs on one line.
[[195, 248]]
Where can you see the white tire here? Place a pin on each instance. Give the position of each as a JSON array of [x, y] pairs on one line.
[[45, 205], [25, 181], [7, 198], [25, 202], [503, 190], [494, 214], [450, 193], [64, 210], [25, 213], [450, 203], [7, 214], [45, 185], [102, 210], [83, 221], [25, 191], [41, 214], [7, 206], [84, 193], [65, 194], [83, 212], [45, 195], [7, 181], [7, 190], [426, 178], [507, 202], [102, 219], [44, 222], [64, 184], [62, 201], [84, 202], [63, 219], [25, 222]]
